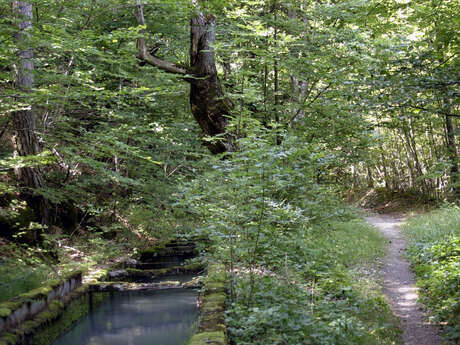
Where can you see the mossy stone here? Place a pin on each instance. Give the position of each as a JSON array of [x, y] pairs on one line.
[[38, 293], [212, 322], [58, 318], [213, 287], [215, 298], [206, 338], [4, 311]]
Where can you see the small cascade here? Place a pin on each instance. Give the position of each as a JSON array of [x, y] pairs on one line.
[[162, 266], [152, 301]]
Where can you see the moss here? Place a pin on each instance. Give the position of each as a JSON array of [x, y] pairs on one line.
[[170, 248], [196, 266], [58, 318], [51, 330], [37, 329], [74, 274], [215, 298], [8, 338], [11, 306], [134, 274], [40, 293], [121, 286], [217, 274], [213, 287], [206, 338], [212, 308], [212, 322], [152, 251], [100, 275], [46, 326], [4, 311]]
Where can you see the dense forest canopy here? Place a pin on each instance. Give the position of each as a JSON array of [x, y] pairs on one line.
[[248, 121]]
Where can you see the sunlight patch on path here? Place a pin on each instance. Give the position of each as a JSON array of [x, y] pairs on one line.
[[399, 286]]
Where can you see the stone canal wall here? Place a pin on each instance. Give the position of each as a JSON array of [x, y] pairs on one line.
[[27, 305], [211, 325], [42, 315]]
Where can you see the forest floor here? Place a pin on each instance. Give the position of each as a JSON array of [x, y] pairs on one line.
[[399, 285]]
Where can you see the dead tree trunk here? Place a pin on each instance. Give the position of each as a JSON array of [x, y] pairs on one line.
[[25, 138], [209, 106]]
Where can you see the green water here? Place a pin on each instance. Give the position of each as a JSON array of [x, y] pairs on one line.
[[164, 317]]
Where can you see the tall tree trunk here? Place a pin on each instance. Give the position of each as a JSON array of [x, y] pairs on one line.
[[25, 138], [208, 103]]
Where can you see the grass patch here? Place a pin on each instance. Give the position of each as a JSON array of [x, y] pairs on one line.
[[349, 243], [434, 249], [22, 269], [326, 294]]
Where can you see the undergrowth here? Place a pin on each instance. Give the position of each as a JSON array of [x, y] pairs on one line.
[[22, 268], [434, 249], [294, 251], [317, 298]]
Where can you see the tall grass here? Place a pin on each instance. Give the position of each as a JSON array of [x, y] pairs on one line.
[[22, 269], [17, 278], [434, 249], [433, 227], [352, 243]]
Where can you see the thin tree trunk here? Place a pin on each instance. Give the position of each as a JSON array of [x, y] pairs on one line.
[[418, 164], [265, 94], [385, 172], [276, 85], [299, 86], [453, 155], [370, 179], [25, 138], [412, 173], [413, 155]]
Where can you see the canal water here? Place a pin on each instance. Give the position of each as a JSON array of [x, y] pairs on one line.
[[161, 317]]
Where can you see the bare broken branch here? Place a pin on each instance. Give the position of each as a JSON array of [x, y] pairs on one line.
[[144, 54]]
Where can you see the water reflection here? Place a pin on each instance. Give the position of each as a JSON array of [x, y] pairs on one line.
[[163, 317]]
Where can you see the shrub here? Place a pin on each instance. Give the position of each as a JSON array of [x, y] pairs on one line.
[[434, 249]]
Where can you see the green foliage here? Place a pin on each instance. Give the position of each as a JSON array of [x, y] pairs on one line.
[[434, 249], [291, 247], [283, 312], [22, 269], [328, 96]]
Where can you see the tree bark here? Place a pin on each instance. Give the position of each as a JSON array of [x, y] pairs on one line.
[[25, 138], [453, 155], [209, 106]]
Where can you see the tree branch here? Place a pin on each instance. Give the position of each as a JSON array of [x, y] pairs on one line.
[[144, 54], [429, 110], [309, 103]]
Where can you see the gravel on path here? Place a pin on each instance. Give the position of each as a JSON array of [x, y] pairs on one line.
[[399, 285]]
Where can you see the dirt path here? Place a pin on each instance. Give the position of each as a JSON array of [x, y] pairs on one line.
[[399, 285]]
